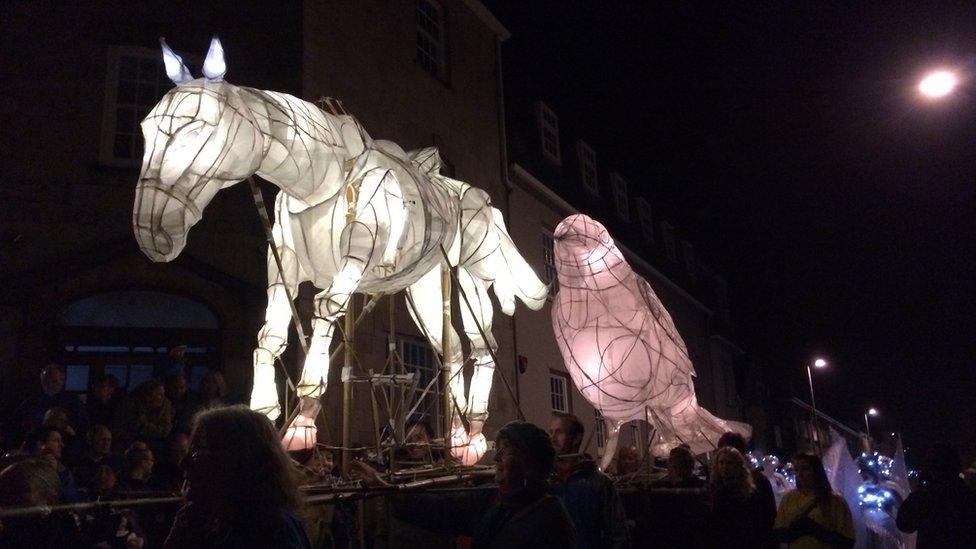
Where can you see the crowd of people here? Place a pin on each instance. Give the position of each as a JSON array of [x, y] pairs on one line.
[[234, 485]]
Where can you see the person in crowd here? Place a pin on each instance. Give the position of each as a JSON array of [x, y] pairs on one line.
[[139, 463], [681, 470], [74, 446], [628, 460], [145, 415], [242, 489], [589, 495], [738, 509], [519, 514], [391, 530], [169, 472], [813, 515], [46, 443], [28, 483], [31, 411], [674, 512], [98, 453], [418, 435], [103, 400], [213, 390], [943, 509], [177, 391], [764, 489]]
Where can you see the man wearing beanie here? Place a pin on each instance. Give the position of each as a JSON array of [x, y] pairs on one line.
[[520, 514]]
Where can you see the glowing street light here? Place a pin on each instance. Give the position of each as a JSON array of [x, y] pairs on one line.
[[867, 425], [938, 84], [817, 363]]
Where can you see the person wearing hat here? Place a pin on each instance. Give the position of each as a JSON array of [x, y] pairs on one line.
[[520, 513]]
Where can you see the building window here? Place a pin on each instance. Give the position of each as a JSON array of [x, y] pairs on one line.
[[637, 436], [667, 233], [418, 358], [431, 43], [646, 219], [688, 251], [601, 430], [620, 201], [587, 162], [558, 392], [548, 132], [549, 263], [135, 82]]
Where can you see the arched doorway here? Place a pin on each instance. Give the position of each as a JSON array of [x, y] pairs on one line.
[[129, 334]]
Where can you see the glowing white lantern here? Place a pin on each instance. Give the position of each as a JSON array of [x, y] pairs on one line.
[[355, 215], [620, 345]]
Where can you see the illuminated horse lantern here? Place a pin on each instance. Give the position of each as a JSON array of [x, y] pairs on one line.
[[354, 215]]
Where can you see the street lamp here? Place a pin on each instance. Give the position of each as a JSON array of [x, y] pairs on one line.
[[938, 84], [817, 363], [867, 425]]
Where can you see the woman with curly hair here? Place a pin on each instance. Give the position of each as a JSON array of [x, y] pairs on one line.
[[813, 515], [242, 489], [737, 507]]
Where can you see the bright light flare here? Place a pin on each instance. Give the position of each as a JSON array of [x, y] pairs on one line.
[[938, 84], [819, 363], [872, 412]]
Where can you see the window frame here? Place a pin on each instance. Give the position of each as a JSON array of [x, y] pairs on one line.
[[587, 162], [621, 201], [113, 78], [434, 416], [549, 262], [547, 121], [437, 66], [557, 378]]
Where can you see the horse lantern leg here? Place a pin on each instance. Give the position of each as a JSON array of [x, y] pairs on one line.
[[273, 337], [425, 291], [476, 323]]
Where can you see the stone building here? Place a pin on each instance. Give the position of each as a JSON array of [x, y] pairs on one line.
[[75, 288]]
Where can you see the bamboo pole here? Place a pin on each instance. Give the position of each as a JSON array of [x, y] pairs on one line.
[[446, 328], [347, 385]]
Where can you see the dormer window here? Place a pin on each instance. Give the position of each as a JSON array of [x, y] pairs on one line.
[[667, 233], [548, 132], [620, 200], [587, 162], [646, 219]]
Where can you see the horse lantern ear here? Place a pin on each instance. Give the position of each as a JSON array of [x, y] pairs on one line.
[[175, 68], [214, 66]]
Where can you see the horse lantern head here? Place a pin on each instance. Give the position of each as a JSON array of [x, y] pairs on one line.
[[199, 138]]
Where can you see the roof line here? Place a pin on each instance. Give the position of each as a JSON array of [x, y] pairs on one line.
[[489, 19], [522, 175]]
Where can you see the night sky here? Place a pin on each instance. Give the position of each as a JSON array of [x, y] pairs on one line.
[[789, 145]]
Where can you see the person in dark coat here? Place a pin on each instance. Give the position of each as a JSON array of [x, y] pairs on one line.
[[520, 514], [764, 490], [943, 510], [738, 509], [242, 488], [589, 495]]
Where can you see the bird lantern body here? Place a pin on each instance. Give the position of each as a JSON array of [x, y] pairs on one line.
[[621, 347], [354, 215]]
